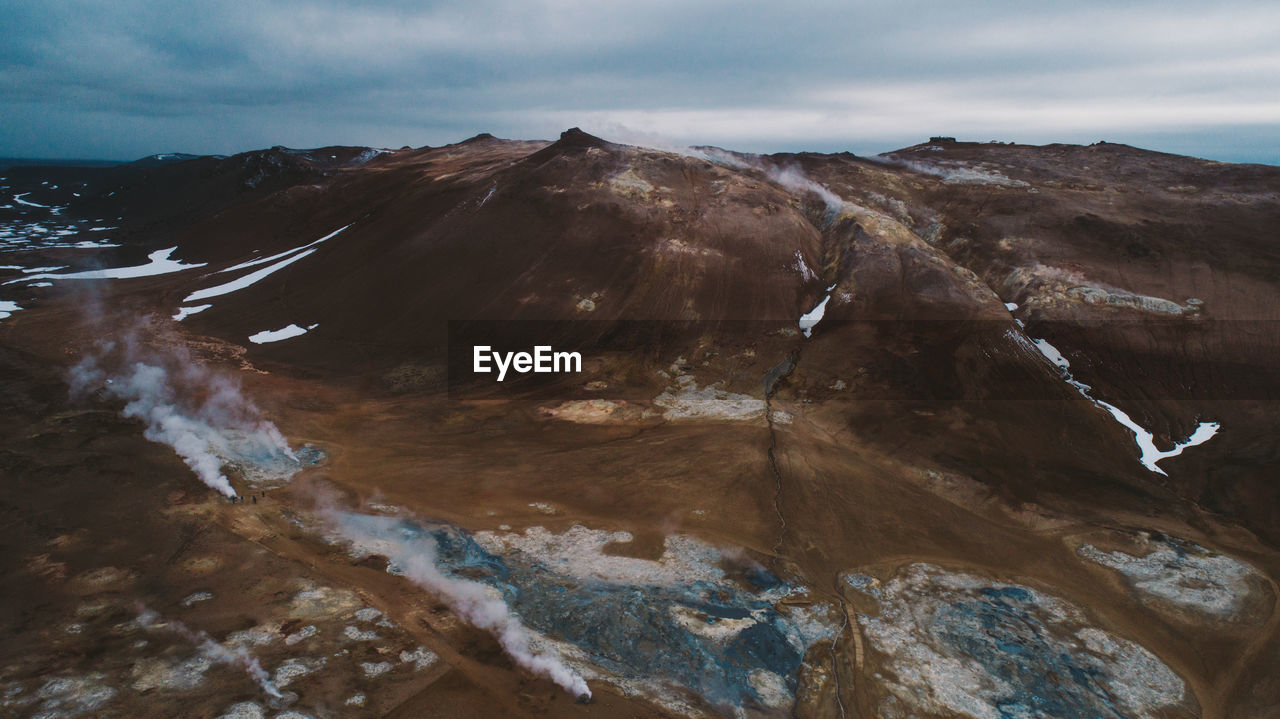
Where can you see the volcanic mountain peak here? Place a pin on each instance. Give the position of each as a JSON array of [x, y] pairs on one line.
[[1002, 357], [575, 137], [479, 137]]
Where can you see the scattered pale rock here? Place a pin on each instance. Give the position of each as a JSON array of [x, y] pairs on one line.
[[294, 668], [708, 403], [1182, 574], [197, 597], [368, 614], [244, 710], [358, 635], [70, 696], [967, 645], [579, 552], [258, 636], [161, 674], [421, 658], [324, 603]]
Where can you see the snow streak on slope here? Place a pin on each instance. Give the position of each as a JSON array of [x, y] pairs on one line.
[[243, 282], [810, 319], [278, 255], [290, 256], [159, 264], [1146, 440], [280, 334], [185, 312], [18, 199]]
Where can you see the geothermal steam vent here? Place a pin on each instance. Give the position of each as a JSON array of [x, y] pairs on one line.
[[494, 428]]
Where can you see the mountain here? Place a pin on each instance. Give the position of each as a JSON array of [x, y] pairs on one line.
[[959, 430]]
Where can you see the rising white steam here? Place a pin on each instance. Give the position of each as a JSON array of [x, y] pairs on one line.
[[953, 172], [790, 177], [415, 555], [794, 179], [201, 414], [235, 656]]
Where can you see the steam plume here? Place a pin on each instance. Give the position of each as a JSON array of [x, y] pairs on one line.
[[202, 415], [235, 656], [790, 177], [952, 172], [415, 554]]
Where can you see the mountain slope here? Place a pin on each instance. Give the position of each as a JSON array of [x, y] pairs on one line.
[[827, 403]]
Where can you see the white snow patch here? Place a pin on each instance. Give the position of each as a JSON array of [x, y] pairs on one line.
[[1011, 306], [185, 312], [810, 319], [18, 199], [159, 264], [245, 281], [1052, 354], [1146, 440], [279, 255], [280, 334], [7, 308], [805, 273]]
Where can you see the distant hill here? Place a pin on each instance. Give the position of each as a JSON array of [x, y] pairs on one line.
[[7, 162]]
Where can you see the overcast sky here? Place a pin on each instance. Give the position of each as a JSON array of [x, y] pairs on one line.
[[128, 78]]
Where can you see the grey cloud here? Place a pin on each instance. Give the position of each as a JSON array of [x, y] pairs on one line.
[[134, 77]]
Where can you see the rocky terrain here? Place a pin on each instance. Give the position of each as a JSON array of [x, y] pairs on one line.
[[961, 430]]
